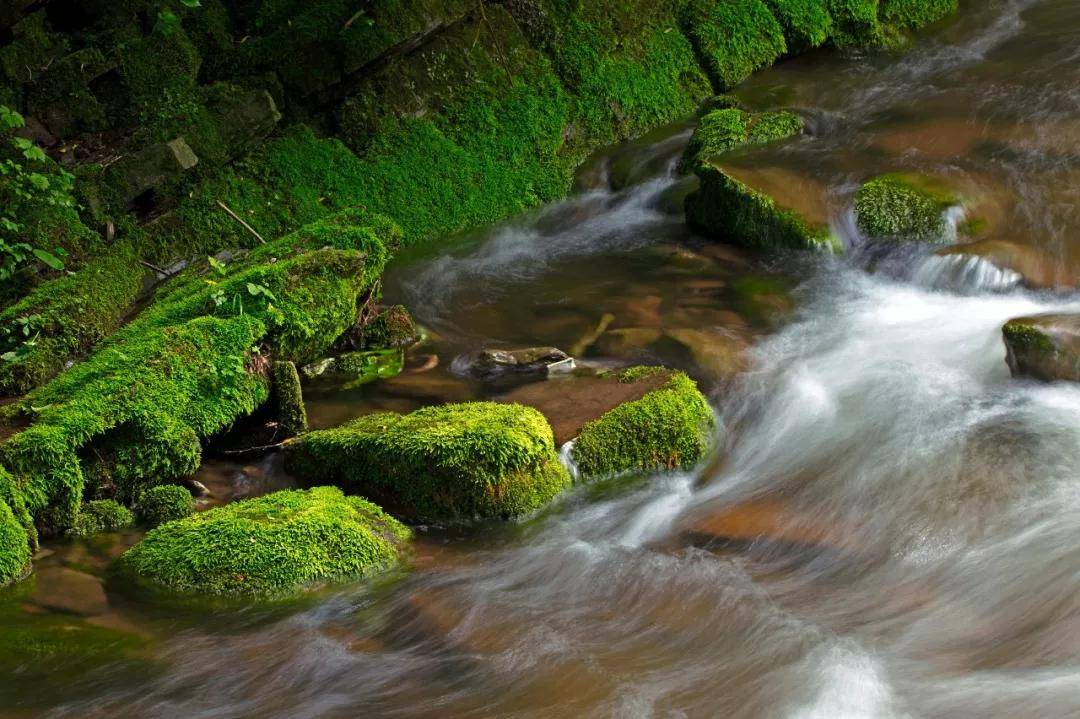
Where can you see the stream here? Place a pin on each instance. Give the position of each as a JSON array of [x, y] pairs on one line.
[[905, 515]]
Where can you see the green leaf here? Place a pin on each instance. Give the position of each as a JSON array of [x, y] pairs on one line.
[[49, 259]]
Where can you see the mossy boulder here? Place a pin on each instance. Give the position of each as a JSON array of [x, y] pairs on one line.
[[101, 515], [729, 207], [271, 546], [732, 38], [164, 503], [392, 328], [287, 398], [904, 206], [14, 546], [806, 23], [723, 130], [451, 462], [1045, 347], [668, 428]]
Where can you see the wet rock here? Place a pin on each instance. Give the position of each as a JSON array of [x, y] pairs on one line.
[[721, 131], [763, 208], [394, 328], [287, 399], [627, 342], [153, 166], [1035, 265], [719, 354], [357, 367], [62, 589], [904, 206], [765, 520], [489, 364], [1045, 347]]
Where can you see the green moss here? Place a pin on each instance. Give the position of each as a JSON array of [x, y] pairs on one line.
[[733, 38], [913, 14], [393, 327], [63, 318], [666, 429], [132, 415], [271, 546], [723, 130], [856, 24], [455, 461], [101, 515], [357, 368], [287, 398], [807, 23], [31, 49], [730, 210], [164, 503], [1026, 337], [14, 546], [903, 206]]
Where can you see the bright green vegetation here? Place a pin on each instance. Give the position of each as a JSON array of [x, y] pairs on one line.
[[288, 398], [391, 328], [272, 546], [806, 23], [903, 207], [164, 503], [732, 38], [723, 130], [14, 547], [101, 515], [669, 427], [133, 414], [913, 14], [728, 209], [357, 368], [451, 462]]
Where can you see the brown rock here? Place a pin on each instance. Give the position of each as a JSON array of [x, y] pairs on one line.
[[1045, 347], [67, 590], [627, 342], [718, 353], [1035, 265]]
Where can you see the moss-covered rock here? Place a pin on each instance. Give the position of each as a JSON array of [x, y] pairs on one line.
[[806, 23], [14, 546], [723, 130], [271, 546], [669, 427], [101, 515], [287, 398], [732, 38], [732, 210], [164, 503], [903, 207], [392, 328], [356, 368], [451, 462], [1045, 347]]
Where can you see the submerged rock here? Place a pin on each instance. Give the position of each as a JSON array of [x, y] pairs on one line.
[[455, 461], [1045, 347], [492, 363], [357, 367], [764, 208], [67, 590], [904, 206], [270, 546], [667, 428]]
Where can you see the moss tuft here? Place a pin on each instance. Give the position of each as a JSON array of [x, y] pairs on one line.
[[101, 515], [723, 130], [666, 429], [732, 38], [903, 207], [164, 503], [14, 546], [272, 546], [288, 398], [807, 23], [456, 461]]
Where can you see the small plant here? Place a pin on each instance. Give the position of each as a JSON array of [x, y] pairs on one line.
[[27, 185]]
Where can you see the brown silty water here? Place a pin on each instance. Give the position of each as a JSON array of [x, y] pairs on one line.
[[889, 527]]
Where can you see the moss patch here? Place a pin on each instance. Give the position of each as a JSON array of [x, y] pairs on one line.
[[14, 546], [723, 130], [456, 461], [101, 515], [733, 38], [666, 429], [164, 503], [288, 398], [903, 207], [271, 546]]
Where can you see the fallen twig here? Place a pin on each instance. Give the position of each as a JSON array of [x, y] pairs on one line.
[[239, 219]]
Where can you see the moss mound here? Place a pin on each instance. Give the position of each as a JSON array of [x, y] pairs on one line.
[[903, 207], [164, 503], [666, 429], [457, 461], [14, 547], [730, 210], [722, 130], [101, 515], [271, 546], [733, 37]]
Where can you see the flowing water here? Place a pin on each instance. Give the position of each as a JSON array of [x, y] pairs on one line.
[[900, 518]]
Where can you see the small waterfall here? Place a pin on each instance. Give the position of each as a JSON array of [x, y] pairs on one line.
[[566, 457], [966, 274]]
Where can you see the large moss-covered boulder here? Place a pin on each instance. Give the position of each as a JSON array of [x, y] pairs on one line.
[[271, 546], [669, 427], [722, 130], [904, 206], [456, 461], [1045, 347], [756, 208]]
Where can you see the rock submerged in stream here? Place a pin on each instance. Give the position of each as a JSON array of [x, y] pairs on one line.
[[451, 462], [357, 367], [271, 546], [1045, 347], [487, 364]]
